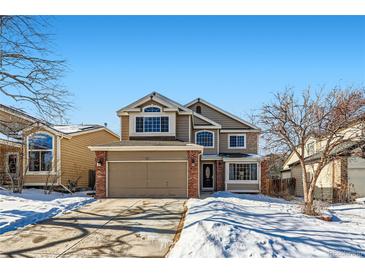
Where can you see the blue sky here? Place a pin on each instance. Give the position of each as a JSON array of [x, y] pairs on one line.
[[233, 62]]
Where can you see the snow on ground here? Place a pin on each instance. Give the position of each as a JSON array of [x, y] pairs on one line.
[[244, 225], [32, 205]]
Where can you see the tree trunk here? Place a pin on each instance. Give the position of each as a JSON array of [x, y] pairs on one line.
[[308, 203]]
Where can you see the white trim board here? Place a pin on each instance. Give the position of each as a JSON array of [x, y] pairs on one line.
[[146, 148]]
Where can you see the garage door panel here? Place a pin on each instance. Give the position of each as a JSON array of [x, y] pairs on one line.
[[132, 174], [169, 175], [357, 181], [147, 179]]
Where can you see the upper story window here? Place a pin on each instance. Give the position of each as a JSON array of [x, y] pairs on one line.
[[237, 141], [40, 152], [152, 109], [152, 124], [311, 148], [205, 138], [198, 109]]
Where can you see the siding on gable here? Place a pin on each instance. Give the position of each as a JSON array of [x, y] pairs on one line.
[[200, 122], [251, 143], [151, 102], [182, 127], [124, 126], [220, 118], [77, 159]]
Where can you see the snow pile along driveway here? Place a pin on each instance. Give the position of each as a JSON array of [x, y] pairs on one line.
[[32, 205], [233, 225]]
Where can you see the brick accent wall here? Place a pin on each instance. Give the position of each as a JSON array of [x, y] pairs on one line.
[[219, 167], [100, 174], [265, 179], [341, 180], [193, 174]]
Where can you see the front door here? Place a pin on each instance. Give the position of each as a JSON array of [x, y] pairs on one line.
[[208, 176]]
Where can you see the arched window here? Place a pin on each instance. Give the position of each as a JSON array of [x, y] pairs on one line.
[[205, 138], [40, 152], [198, 109], [152, 109]]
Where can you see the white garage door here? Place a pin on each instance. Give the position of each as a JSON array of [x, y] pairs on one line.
[[147, 179], [356, 176]]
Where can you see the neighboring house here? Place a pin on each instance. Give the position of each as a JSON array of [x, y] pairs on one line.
[[46, 153], [10, 150], [340, 180], [173, 150]]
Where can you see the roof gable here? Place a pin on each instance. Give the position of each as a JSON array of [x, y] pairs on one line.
[[158, 98], [221, 112]]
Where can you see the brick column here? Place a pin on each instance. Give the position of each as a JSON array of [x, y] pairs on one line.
[[219, 167], [100, 174], [265, 180], [193, 174]]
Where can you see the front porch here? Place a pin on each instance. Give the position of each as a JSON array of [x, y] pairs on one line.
[[227, 172]]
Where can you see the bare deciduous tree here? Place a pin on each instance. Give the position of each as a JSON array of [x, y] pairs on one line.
[[290, 120], [28, 71]]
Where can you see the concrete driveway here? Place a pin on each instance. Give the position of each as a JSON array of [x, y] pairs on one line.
[[105, 228]]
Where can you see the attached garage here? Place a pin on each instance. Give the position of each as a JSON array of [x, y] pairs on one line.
[[147, 169], [147, 178], [356, 176]]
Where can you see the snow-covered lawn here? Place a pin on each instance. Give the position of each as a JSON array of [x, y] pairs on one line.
[[233, 225], [32, 205]]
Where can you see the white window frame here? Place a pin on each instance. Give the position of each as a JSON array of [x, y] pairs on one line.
[[154, 106], [52, 171], [228, 181], [314, 148], [132, 123], [7, 161], [196, 135], [229, 141]]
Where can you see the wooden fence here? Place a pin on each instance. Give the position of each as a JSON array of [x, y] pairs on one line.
[[281, 186]]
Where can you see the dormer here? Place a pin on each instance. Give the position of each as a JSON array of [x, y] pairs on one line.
[[153, 116]]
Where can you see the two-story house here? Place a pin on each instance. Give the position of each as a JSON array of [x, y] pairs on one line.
[[40, 153], [173, 150], [343, 178]]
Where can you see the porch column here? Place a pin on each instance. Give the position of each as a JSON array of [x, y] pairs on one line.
[[193, 174], [100, 174]]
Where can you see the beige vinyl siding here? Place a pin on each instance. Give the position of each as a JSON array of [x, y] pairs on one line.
[[200, 122], [325, 181], [220, 118], [251, 143], [208, 150], [6, 117], [124, 125], [182, 127], [36, 179], [76, 157], [151, 102]]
